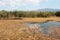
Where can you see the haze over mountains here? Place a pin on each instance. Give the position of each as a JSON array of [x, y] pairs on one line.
[[48, 10]]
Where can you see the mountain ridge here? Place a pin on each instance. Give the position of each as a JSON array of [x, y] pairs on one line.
[[48, 10]]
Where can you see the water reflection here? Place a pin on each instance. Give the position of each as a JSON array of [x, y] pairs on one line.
[[44, 27]]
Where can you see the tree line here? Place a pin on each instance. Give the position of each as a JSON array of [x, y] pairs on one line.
[[18, 14]]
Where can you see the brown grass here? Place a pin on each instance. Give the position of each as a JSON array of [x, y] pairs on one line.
[[34, 19], [16, 30], [41, 19]]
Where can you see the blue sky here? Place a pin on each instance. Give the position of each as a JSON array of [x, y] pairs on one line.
[[28, 4]]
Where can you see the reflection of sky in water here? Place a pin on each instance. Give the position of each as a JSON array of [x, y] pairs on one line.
[[50, 23], [44, 26]]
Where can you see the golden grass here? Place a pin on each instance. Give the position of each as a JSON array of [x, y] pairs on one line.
[[41, 19], [16, 30], [34, 19]]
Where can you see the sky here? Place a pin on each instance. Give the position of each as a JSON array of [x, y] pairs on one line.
[[28, 4]]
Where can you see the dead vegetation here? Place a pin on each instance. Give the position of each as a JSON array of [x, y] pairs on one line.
[[15, 30]]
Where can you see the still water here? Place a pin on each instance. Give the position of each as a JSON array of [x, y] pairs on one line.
[[45, 26]]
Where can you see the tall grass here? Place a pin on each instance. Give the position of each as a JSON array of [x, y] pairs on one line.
[[15, 30]]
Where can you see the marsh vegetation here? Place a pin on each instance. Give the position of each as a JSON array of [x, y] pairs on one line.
[[29, 14], [16, 30]]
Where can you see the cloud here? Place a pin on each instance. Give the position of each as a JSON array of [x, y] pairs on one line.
[[19, 3]]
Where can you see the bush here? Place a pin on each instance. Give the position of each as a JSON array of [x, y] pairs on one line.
[[57, 14]]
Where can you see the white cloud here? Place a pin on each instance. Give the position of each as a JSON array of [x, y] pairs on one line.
[[14, 3]]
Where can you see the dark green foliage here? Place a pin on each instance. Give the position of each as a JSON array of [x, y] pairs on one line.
[[57, 14]]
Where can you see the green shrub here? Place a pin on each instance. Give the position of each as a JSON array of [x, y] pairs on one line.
[[57, 14]]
